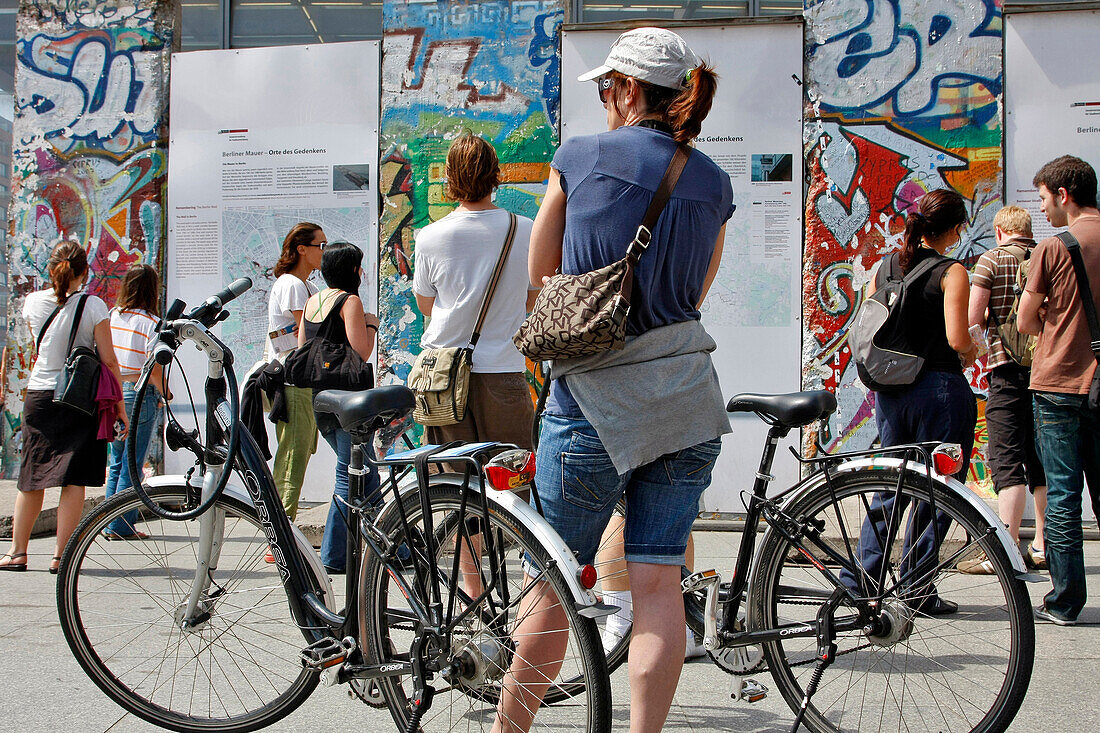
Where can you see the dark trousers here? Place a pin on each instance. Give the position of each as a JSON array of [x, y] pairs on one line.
[[940, 406]]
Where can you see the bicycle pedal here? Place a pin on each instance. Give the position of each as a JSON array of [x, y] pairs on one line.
[[699, 579], [748, 690], [327, 652]]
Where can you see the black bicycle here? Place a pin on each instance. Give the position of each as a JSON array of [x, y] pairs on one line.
[[191, 629]]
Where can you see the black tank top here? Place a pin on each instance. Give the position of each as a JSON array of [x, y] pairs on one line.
[[923, 318]]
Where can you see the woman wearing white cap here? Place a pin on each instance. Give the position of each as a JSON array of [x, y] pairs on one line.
[[643, 422]]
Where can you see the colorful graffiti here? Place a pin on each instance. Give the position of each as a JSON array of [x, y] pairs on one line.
[[89, 155], [489, 67], [902, 97]]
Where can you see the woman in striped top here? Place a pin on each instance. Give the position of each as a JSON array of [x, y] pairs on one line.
[[133, 328]]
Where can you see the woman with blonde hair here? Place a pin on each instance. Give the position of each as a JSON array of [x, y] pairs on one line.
[[60, 447]]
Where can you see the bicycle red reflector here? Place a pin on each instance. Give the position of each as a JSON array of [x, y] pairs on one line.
[[511, 469], [587, 576], [947, 459]]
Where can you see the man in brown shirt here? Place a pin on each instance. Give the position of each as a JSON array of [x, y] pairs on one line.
[[1068, 432]]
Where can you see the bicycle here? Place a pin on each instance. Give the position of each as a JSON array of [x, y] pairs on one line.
[[191, 629], [849, 642]]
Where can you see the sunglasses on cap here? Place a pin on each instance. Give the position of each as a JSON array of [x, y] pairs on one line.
[[604, 85]]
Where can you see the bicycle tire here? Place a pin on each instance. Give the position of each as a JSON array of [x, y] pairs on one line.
[[469, 703], [967, 671], [238, 670]]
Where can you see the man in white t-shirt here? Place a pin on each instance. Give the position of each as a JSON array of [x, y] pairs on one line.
[[454, 259]]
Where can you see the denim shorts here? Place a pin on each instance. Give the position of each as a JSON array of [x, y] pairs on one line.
[[579, 487]]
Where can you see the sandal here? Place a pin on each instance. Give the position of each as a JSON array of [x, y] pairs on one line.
[[55, 564], [115, 537], [15, 567]]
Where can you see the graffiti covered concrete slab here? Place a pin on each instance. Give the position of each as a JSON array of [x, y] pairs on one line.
[[89, 154], [903, 96], [490, 67]]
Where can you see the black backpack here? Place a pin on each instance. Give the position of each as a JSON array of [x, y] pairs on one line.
[[884, 360]]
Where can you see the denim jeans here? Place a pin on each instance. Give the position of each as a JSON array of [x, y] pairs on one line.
[[940, 406], [334, 545], [118, 470], [1068, 434]]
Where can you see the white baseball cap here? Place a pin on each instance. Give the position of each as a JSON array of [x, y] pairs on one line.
[[655, 55]]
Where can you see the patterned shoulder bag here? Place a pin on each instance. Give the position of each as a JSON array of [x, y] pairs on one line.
[[579, 315]]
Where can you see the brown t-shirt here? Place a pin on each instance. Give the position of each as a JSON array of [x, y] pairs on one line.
[[1063, 360]]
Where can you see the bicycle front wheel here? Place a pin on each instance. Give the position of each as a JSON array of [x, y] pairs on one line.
[[909, 669], [484, 654], [229, 662]]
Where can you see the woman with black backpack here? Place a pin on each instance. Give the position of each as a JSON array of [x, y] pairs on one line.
[[939, 405]]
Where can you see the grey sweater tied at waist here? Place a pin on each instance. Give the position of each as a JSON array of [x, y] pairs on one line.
[[658, 395]]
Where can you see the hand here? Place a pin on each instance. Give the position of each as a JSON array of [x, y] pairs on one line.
[[121, 411], [970, 356], [371, 319]]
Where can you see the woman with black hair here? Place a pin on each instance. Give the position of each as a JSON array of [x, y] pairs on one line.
[[341, 267]]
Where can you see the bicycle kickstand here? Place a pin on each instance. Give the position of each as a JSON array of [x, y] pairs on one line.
[[826, 652]]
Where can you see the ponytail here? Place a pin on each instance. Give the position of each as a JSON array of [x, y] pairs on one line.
[[692, 105], [914, 232], [68, 262]]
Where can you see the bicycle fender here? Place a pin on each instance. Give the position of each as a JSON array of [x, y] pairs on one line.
[[305, 547], [920, 473], [586, 602]]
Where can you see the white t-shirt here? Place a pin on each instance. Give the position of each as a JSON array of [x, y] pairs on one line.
[[37, 307], [132, 332], [287, 294], [454, 260]]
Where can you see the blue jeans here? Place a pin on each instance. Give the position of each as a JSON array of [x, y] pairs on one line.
[[334, 542], [118, 470], [1068, 435], [940, 406], [579, 487]]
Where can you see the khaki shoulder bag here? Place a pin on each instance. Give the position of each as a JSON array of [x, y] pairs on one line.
[[441, 377]]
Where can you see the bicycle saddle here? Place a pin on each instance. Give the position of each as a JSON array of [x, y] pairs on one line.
[[360, 412], [788, 410]]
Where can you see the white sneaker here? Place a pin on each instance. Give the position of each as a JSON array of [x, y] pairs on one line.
[[694, 648]]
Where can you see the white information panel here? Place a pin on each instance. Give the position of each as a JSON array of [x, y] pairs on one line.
[[1052, 99], [262, 139], [754, 132], [1052, 104]]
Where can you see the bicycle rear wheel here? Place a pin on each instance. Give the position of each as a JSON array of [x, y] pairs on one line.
[[234, 666], [967, 671], [486, 644]]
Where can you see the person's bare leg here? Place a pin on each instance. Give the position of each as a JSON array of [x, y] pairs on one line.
[[469, 565], [541, 636], [1010, 507], [69, 509], [657, 646], [609, 558], [28, 505], [1039, 543]]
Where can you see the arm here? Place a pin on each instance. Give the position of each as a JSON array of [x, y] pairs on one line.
[[532, 296], [979, 301], [360, 337], [712, 268], [1028, 319], [105, 347], [956, 297], [425, 303], [548, 233]]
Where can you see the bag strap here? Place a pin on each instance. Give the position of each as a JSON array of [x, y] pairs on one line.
[[642, 237], [328, 325], [76, 322], [45, 327], [494, 280], [1084, 290]]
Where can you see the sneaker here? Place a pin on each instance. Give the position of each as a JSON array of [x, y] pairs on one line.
[[1037, 559], [1042, 614], [694, 648], [979, 565]]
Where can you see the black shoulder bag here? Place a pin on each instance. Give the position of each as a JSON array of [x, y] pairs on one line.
[[1089, 306], [78, 382], [328, 361]]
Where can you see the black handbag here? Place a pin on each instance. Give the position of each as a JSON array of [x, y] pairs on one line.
[[78, 382], [327, 361], [1089, 306]]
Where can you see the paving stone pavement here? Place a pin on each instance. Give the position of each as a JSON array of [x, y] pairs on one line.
[[45, 690]]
